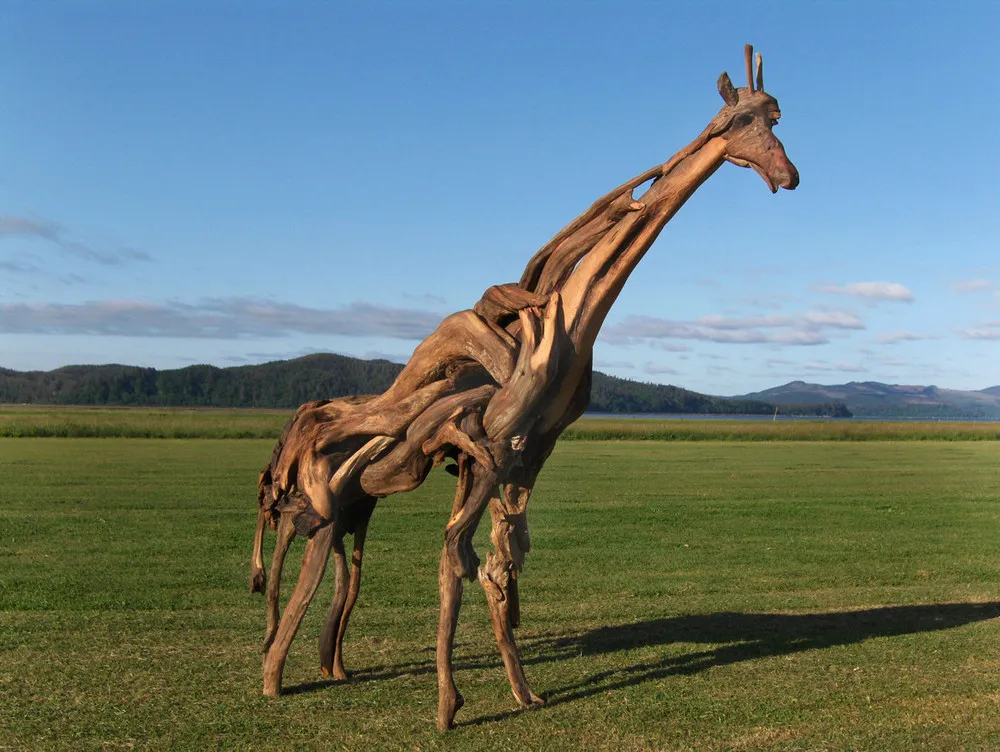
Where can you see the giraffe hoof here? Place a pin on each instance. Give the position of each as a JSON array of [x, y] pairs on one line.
[[446, 714], [533, 701]]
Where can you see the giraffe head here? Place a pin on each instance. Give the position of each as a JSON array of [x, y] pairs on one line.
[[745, 123]]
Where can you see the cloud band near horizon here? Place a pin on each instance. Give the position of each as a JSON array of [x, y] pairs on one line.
[[218, 318], [803, 329]]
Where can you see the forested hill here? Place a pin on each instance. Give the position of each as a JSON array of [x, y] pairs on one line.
[[609, 394], [287, 384], [283, 383], [873, 399]]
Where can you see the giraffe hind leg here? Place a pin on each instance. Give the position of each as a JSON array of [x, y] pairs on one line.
[[313, 567], [333, 616], [360, 533]]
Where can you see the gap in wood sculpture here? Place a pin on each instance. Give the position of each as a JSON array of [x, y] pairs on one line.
[[491, 389]]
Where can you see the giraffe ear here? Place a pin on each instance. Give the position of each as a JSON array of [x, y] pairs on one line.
[[727, 90]]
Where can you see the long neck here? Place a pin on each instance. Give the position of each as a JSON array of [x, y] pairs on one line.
[[595, 282], [594, 279]]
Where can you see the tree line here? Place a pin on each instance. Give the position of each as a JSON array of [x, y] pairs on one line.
[[287, 384]]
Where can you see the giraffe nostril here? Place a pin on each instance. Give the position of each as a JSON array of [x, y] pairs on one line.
[[789, 178]]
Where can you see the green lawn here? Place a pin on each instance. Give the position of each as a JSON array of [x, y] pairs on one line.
[[680, 595]]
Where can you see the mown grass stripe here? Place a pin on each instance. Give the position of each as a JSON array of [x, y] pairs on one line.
[[139, 423]]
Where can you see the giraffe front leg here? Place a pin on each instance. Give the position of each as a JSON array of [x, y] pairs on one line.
[[328, 636], [450, 585], [499, 579], [475, 486], [286, 533], [313, 566]]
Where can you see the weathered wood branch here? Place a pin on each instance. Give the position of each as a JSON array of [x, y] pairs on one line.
[[512, 409], [360, 459], [406, 465]]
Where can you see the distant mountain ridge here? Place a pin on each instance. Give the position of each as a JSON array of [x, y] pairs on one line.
[[287, 384], [873, 399]]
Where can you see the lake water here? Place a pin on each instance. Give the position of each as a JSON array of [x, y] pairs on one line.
[[707, 416]]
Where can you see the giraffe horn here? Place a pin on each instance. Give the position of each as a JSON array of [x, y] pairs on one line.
[[760, 72], [748, 54]]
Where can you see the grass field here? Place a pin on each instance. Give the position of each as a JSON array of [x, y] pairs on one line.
[[19, 421], [680, 595]]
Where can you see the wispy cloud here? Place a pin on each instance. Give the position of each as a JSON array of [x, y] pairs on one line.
[[822, 365], [801, 329], [971, 285], [655, 369], [220, 318], [637, 328], [598, 363], [391, 357], [771, 302], [15, 266], [871, 291], [833, 320], [890, 362], [988, 330], [45, 229], [426, 298], [894, 338], [670, 347], [28, 264]]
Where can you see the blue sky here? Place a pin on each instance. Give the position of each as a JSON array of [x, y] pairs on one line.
[[234, 183]]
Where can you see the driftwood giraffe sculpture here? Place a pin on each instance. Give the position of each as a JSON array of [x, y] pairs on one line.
[[492, 389]]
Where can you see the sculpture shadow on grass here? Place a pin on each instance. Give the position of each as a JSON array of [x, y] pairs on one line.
[[731, 638], [741, 637]]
